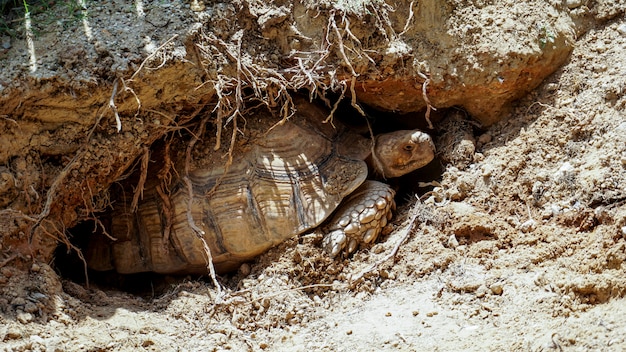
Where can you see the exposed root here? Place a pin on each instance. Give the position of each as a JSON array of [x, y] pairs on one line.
[[333, 25], [113, 107], [429, 107], [406, 232], [383, 22], [156, 51], [52, 192], [5, 117], [90, 209], [163, 191], [197, 230], [336, 105], [231, 147], [187, 167], [407, 25], [145, 158], [354, 103], [211, 269], [8, 260], [168, 212], [63, 238], [272, 86], [438, 196], [131, 91]]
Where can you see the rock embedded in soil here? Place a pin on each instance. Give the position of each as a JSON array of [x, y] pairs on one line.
[[479, 67], [496, 289]]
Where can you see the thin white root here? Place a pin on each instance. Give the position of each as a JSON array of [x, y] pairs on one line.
[[138, 194], [354, 102], [143, 63], [197, 230], [342, 50], [429, 107], [118, 122], [408, 21], [406, 233]]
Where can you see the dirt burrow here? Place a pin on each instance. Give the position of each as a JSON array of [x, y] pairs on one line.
[[521, 246]]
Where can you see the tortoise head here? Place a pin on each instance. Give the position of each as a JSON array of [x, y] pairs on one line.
[[400, 152]]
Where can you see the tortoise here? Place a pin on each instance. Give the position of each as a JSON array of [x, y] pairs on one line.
[[289, 178]]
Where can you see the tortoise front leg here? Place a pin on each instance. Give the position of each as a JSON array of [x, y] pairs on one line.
[[360, 218]]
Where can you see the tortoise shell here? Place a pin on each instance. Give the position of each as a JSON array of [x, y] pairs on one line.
[[288, 179]]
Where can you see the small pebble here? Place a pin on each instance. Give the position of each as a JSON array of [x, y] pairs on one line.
[[387, 275], [377, 249], [35, 268], [601, 48], [6, 42], [349, 332], [18, 301], [599, 67], [622, 29], [481, 291], [24, 317], [452, 241], [265, 303], [38, 296], [572, 4], [484, 138], [245, 269], [552, 87], [496, 289], [197, 5], [13, 333], [528, 226], [31, 307]]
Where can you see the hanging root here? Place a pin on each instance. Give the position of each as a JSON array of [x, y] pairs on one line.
[[406, 232], [63, 238], [429, 107], [52, 192], [113, 107], [145, 159], [163, 190], [409, 20], [197, 230], [333, 25]]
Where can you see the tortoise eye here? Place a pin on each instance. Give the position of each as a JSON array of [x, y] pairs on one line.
[[408, 147]]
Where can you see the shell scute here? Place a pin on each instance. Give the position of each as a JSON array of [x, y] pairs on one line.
[[288, 180]]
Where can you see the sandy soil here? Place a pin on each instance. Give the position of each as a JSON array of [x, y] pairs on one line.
[[520, 245]]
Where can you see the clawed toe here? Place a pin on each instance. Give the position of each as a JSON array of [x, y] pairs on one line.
[[334, 242]]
